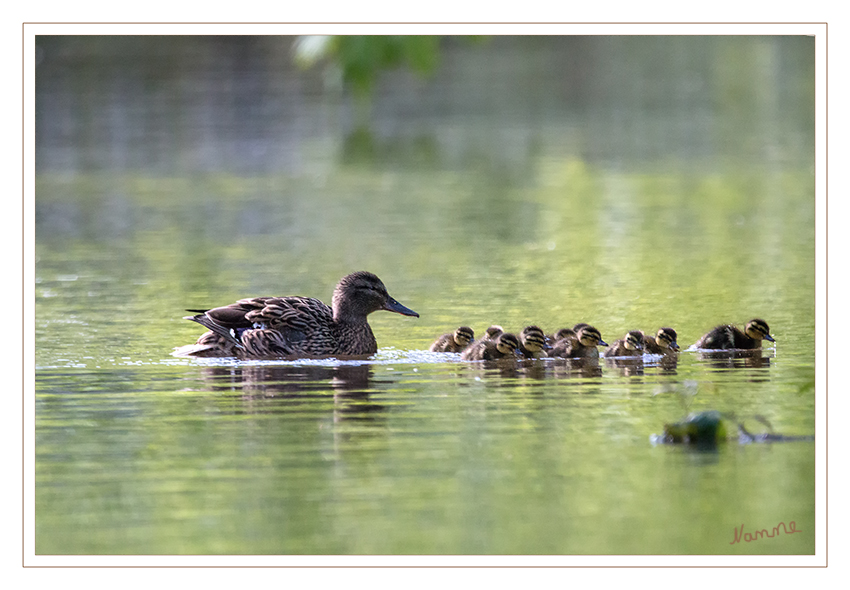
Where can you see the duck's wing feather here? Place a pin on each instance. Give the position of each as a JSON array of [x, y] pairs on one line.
[[291, 326], [295, 313], [228, 321], [293, 318]]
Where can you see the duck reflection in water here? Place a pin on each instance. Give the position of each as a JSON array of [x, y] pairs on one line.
[[627, 366], [667, 364], [576, 368], [509, 367], [735, 359], [351, 385]]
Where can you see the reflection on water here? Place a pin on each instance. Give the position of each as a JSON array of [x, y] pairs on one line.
[[272, 380], [538, 369], [570, 438], [735, 359], [350, 384], [627, 366]]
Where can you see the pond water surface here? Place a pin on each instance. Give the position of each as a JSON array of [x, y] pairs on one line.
[[630, 183]]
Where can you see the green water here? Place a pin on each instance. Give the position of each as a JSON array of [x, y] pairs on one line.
[[530, 181]]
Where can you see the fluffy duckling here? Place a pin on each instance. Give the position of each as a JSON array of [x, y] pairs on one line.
[[454, 342], [492, 332], [532, 342], [560, 335], [729, 337], [630, 345], [504, 346], [583, 345], [663, 343]]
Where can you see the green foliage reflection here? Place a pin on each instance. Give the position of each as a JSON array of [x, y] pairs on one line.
[[361, 58]]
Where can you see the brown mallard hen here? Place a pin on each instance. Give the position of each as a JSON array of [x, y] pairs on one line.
[[663, 343], [730, 337], [505, 345], [274, 327], [630, 345], [457, 341], [582, 345]]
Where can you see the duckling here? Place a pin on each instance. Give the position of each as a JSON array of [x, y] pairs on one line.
[[532, 342], [630, 345], [562, 334], [559, 335], [728, 336], [492, 332], [264, 327], [504, 346], [583, 345], [454, 342], [663, 343]]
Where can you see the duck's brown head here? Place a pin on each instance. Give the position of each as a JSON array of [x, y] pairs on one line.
[[532, 338], [590, 336], [666, 338], [563, 333], [359, 294], [633, 340], [507, 343], [463, 336], [493, 332], [758, 329]]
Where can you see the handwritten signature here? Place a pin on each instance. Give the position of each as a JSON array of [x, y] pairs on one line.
[[755, 536]]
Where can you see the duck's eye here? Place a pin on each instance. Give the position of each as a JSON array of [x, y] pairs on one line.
[[371, 288]]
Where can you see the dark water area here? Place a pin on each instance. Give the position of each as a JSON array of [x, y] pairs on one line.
[[627, 182]]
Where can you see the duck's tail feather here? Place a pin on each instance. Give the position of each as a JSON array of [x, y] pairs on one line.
[[196, 350], [228, 334]]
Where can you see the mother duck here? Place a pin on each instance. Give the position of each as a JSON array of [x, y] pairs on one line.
[[265, 327]]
